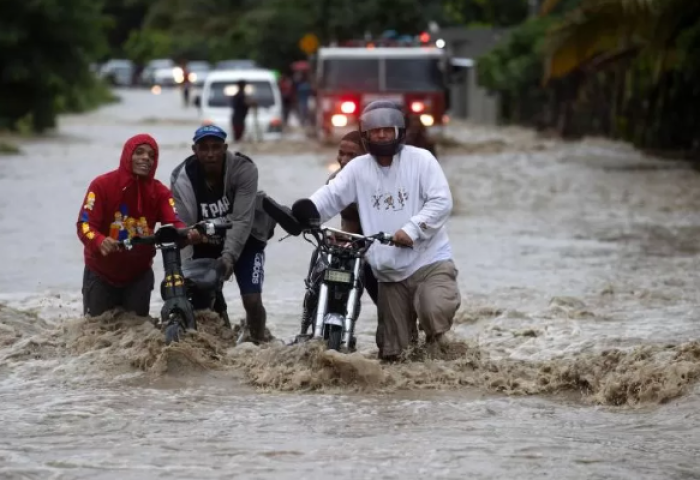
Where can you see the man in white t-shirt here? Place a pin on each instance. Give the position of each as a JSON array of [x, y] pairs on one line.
[[399, 189]]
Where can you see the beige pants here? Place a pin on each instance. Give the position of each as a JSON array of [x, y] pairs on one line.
[[431, 295]]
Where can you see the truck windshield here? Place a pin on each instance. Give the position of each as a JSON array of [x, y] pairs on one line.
[[406, 74], [356, 74], [413, 74], [220, 93]]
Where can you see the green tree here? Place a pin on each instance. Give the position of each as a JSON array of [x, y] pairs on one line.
[[147, 44], [638, 42], [622, 68], [269, 30], [123, 18], [605, 28], [497, 13], [514, 70], [46, 47]]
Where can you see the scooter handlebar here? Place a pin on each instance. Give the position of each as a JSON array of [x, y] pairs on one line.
[[133, 241], [169, 234]]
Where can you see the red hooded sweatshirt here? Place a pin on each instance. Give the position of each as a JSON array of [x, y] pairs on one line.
[[121, 205]]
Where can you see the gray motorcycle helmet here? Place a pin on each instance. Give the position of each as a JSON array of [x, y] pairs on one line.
[[383, 114]]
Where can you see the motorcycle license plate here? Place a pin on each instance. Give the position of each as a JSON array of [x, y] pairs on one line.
[[337, 276]]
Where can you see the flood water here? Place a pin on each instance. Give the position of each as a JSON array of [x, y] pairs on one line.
[[574, 354]]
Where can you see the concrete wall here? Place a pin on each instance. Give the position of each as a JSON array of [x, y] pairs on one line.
[[482, 107], [459, 98], [471, 102], [468, 100]]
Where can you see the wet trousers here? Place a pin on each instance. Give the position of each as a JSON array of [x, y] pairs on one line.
[[238, 130], [100, 296], [430, 295]]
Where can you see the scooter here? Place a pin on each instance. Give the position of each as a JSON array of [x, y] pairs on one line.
[[184, 289], [334, 280]]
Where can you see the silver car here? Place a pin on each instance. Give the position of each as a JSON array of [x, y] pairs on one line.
[[159, 72], [118, 72], [198, 71]]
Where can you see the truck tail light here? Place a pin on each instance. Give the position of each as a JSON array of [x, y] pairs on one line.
[[348, 107], [417, 107]]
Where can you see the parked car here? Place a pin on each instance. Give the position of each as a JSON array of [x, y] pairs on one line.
[[118, 72], [159, 72], [198, 71]]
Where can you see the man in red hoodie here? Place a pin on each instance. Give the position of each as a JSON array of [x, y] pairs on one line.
[[121, 204]]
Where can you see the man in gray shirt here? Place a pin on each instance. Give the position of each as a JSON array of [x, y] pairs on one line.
[[217, 184]]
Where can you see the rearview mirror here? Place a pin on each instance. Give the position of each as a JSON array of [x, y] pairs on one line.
[[197, 101]]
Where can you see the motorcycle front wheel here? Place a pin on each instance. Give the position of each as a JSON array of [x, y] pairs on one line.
[[335, 337], [174, 329]]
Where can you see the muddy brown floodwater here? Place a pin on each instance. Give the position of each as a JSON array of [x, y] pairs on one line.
[[575, 353]]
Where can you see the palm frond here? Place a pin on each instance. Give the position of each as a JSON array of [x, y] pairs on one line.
[[547, 6], [598, 27]]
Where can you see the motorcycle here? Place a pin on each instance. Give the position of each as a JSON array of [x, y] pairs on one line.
[[194, 286], [334, 280]]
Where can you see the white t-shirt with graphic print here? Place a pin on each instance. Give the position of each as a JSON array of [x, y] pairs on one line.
[[411, 194]]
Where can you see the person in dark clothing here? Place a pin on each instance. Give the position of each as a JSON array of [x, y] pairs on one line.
[[186, 87], [303, 93], [287, 91], [118, 205], [215, 183], [240, 106], [417, 134]]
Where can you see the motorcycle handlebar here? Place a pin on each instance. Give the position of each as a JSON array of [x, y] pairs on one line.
[[381, 237]]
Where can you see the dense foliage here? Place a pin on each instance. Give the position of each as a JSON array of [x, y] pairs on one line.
[[46, 48], [627, 69]]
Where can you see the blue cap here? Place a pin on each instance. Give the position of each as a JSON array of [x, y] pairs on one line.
[[209, 131]]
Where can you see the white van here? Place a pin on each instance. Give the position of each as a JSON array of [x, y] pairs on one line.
[[221, 85]]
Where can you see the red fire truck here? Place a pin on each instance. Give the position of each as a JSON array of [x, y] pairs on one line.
[[349, 77]]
